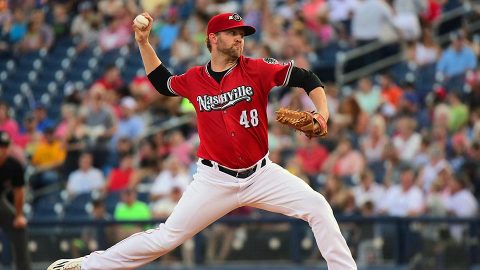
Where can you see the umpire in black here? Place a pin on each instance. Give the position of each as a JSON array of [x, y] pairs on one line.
[[12, 219]]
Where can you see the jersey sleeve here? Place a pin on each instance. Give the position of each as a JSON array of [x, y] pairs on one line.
[[274, 73], [181, 85]]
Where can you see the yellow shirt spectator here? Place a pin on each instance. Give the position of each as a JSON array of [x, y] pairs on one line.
[[49, 152]]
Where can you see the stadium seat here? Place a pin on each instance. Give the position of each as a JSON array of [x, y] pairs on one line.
[[111, 201], [48, 206], [78, 206]]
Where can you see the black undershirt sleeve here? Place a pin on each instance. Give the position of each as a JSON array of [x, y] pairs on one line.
[[305, 79], [159, 78]]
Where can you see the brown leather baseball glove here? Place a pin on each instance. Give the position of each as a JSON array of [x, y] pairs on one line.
[[312, 124]]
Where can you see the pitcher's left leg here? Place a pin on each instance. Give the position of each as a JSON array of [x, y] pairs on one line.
[[276, 190]]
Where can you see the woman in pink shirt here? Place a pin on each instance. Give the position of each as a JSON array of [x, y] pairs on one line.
[[6, 123]]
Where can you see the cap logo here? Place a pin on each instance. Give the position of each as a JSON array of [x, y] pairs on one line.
[[235, 17]]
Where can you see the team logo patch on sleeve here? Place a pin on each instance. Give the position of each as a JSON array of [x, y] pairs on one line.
[[270, 60]]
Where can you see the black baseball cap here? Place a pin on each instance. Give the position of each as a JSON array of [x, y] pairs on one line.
[[4, 138]]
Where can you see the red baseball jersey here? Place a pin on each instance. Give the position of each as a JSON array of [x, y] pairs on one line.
[[232, 117]]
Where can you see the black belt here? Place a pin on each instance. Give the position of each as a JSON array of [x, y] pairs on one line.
[[238, 174]]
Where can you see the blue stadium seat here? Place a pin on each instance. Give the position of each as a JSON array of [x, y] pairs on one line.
[[48, 206], [77, 207], [111, 201]]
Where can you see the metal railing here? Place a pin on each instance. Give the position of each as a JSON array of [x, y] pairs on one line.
[[344, 77], [399, 233]]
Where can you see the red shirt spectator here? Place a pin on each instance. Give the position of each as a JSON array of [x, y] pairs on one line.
[[120, 177], [311, 155]]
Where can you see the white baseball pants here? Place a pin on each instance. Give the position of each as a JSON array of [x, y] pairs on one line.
[[213, 194]]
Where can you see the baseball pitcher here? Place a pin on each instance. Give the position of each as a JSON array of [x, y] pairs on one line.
[[230, 94]]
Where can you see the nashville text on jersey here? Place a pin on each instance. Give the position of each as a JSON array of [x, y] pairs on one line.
[[225, 100]]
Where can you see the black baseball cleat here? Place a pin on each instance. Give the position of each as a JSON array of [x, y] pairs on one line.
[[67, 264]]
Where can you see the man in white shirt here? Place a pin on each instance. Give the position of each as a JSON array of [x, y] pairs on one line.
[[407, 141], [461, 203], [405, 199], [370, 19], [173, 175], [86, 178], [368, 191]]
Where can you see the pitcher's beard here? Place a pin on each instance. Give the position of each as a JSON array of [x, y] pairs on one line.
[[232, 53]]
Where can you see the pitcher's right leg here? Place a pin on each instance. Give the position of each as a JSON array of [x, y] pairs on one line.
[[203, 202]]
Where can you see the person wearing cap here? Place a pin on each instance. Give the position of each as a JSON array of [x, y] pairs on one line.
[[130, 125], [12, 219], [457, 59], [229, 94]]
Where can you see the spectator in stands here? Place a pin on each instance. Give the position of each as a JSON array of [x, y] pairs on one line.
[[409, 103], [296, 99], [458, 115], [458, 152], [374, 142], [7, 123], [75, 139], [91, 237], [350, 117], [336, 193], [405, 199], [46, 160], [278, 138], [391, 93], [173, 174], [311, 155], [30, 137], [162, 208], [130, 208], [471, 167], [110, 81], [368, 191], [110, 8], [344, 160], [341, 13], [369, 19], [457, 59], [272, 35], [130, 125], [422, 157], [436, 198], [426, 50], [143, 92], [461, 203], [180, 148], [407, 141], [433, 12], [85, 26], [123, 147], [14, 28], [61, 20], [115, 35], [39, 34], [120, 177], [40, 114], [168, 32], [392, 165], [406, 17], [69, 113], [430, 171], [184, 49], [100, 126], [368, 96], [86, 178]]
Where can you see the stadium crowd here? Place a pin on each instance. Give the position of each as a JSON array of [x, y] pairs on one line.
[[391, 149]]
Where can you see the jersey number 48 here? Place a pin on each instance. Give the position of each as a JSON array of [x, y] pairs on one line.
[[253, 118]]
